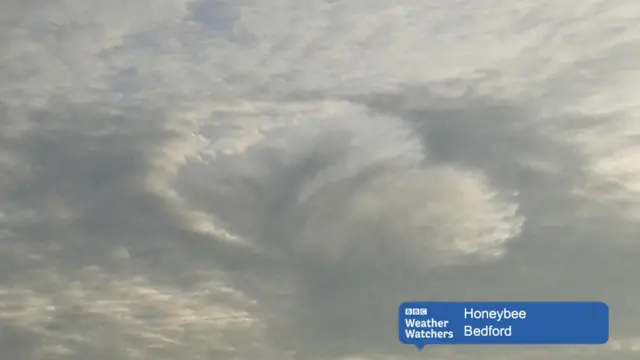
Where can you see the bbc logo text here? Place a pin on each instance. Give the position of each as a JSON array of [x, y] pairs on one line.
[[415, 311]]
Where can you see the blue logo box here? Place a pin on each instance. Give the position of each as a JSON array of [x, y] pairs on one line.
[[432, 323]]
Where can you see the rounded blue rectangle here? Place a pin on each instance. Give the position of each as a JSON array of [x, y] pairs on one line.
[[431, 323]]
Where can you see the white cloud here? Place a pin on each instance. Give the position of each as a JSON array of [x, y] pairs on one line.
[[138, 319]]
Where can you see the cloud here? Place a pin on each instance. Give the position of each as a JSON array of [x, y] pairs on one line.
[[251, 180]]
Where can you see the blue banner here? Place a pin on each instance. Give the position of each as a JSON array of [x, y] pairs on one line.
[[431, 323]]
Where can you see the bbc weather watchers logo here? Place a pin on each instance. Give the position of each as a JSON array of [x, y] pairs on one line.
[[415, 311]]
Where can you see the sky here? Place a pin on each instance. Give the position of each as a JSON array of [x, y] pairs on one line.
[[208, 179]]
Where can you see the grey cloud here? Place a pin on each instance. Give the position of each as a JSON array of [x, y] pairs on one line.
[[347, 300], [311, 303], [138, 143]]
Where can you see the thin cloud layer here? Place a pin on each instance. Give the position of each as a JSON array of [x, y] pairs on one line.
[[252, 180]]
